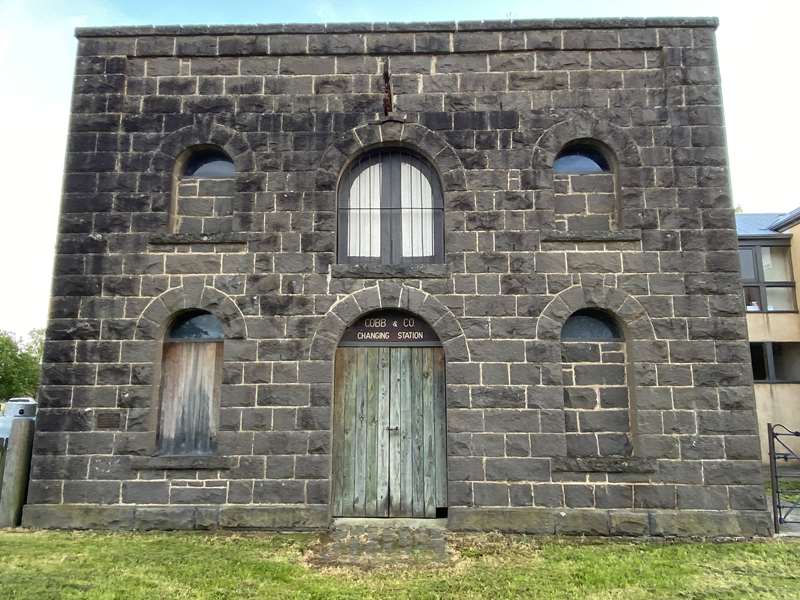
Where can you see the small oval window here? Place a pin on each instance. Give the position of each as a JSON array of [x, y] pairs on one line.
[[581, 158], [211, 163], [591, 324]]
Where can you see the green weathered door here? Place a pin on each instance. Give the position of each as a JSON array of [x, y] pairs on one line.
[[389, 432]]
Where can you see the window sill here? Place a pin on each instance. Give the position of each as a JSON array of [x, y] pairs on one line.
[[624, 235], [199, 462], [771, 312], [604, 464], [377, 271], [178, 239]]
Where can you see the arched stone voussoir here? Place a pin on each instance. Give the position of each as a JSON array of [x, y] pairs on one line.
[[455, 350], [582, 126], [390, 131], [233, 142], [226, 310], [388, 295], [346, 310], [610, 299], [626, 308], [156, 317], [368, 298], [412, 299]]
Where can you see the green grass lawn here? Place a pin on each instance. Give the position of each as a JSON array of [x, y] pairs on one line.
[[45, 565]]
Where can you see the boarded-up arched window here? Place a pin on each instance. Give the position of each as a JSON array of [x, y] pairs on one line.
[[390, 210], [585, 195], [596, 397], [203, 190], [191, 372]]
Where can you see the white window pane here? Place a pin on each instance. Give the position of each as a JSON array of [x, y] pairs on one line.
[[364, 219], [775, 261], [416, 203], [780, 298]]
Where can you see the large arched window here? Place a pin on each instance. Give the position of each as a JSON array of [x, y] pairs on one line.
[[191, 371], [204, 186], [585, 187], [390, 210]]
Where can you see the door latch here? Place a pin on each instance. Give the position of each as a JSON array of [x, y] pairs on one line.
[[392, 429]]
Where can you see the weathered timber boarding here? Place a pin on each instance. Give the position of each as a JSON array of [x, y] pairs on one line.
[[250, 174], [389, 433]]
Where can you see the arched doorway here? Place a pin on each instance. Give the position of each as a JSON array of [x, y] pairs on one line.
[[389, 432]]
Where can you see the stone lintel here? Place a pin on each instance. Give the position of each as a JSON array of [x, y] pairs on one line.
[[181, 239], [625, 235], [604, 464], [181, 462], [378, 271]]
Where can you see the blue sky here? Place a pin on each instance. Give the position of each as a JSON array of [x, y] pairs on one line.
[[756, 43], [98, 12]]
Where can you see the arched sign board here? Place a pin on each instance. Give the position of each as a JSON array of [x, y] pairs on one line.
[[390, 328]]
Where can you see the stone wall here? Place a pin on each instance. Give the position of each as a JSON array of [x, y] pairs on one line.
[[596, 405], [586, 202], [204, 205], [489, 105]]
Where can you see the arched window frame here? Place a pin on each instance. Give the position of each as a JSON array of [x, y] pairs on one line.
[[391, 210], [191, 376], [179, 175]]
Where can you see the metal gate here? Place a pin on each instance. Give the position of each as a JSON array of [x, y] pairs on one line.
[[784, 471]]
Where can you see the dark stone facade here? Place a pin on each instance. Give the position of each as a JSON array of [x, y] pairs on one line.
[[653, 435]]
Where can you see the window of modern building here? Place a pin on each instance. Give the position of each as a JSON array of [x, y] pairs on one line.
[[775, 362], [591, 324], [767, 277], [390, 210], [581, 157], [191, 372]]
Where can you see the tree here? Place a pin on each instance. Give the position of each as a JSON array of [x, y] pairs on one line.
[[19, 364]]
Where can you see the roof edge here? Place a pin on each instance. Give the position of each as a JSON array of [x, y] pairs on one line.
[[785, 221], [445, 26]]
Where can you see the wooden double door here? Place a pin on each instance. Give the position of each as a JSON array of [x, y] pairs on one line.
[[389, 445]]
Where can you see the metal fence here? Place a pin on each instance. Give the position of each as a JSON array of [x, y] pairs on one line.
[[784, 471]]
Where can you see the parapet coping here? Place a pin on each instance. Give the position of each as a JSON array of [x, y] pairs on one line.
[[438, 26]]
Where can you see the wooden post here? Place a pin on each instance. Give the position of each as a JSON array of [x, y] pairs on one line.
[[15, 474]]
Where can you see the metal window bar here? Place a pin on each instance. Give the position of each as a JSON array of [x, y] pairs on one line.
[[785, 496]]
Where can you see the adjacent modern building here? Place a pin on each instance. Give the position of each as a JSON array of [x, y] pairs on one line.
[[482, 272], [769, 255]]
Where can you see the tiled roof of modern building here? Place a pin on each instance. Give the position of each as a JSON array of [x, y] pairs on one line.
[[756, 223], [786, 220]]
